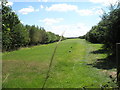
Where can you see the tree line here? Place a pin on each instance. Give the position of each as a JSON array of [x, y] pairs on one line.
[[107, 31], [16, 35]]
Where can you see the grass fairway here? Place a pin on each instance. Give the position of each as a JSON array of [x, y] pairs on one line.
[[27, 67]]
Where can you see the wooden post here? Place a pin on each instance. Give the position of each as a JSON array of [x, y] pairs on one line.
[[118, 62]]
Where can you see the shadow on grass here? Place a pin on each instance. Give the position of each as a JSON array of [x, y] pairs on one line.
[[99, 51], [104, 63]]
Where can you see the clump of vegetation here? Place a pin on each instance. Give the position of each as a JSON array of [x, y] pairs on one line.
[[107, 30], [16, 35]]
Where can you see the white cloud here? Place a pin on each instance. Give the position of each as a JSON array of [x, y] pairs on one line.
[[50, 21], [39, 0], [44, 0], [41, 6], [67, 7], [61, 7], [22, 22], [85, 12], [88, 12], [105, 2], [72, 30], [9, 4], [27, 10]]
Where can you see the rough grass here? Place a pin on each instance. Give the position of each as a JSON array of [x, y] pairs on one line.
[[27, 67]]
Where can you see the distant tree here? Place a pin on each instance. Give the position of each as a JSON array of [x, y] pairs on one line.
[[43, 35], [82, 37], [20, 36], [34, 35]]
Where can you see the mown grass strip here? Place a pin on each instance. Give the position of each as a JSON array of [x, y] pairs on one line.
[[69, 69]]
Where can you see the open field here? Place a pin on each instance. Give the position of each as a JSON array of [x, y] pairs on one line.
[[71, 66]]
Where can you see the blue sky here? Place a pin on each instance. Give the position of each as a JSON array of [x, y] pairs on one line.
[[75, 18]]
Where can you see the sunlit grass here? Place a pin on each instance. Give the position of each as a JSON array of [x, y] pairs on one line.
[[28, 66]]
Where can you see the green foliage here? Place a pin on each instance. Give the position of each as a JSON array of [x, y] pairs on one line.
[[9, 21], [95, 35], [107, 31], [34, 35], [20, 36], [44, 36], [16, 35], [112, 32], [39, 35], [52, 37], [82, 37]]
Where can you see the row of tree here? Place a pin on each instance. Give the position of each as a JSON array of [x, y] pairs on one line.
[[107, 31], [16, 35]]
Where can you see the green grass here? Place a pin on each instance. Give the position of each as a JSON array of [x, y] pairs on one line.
[[27, 67]]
